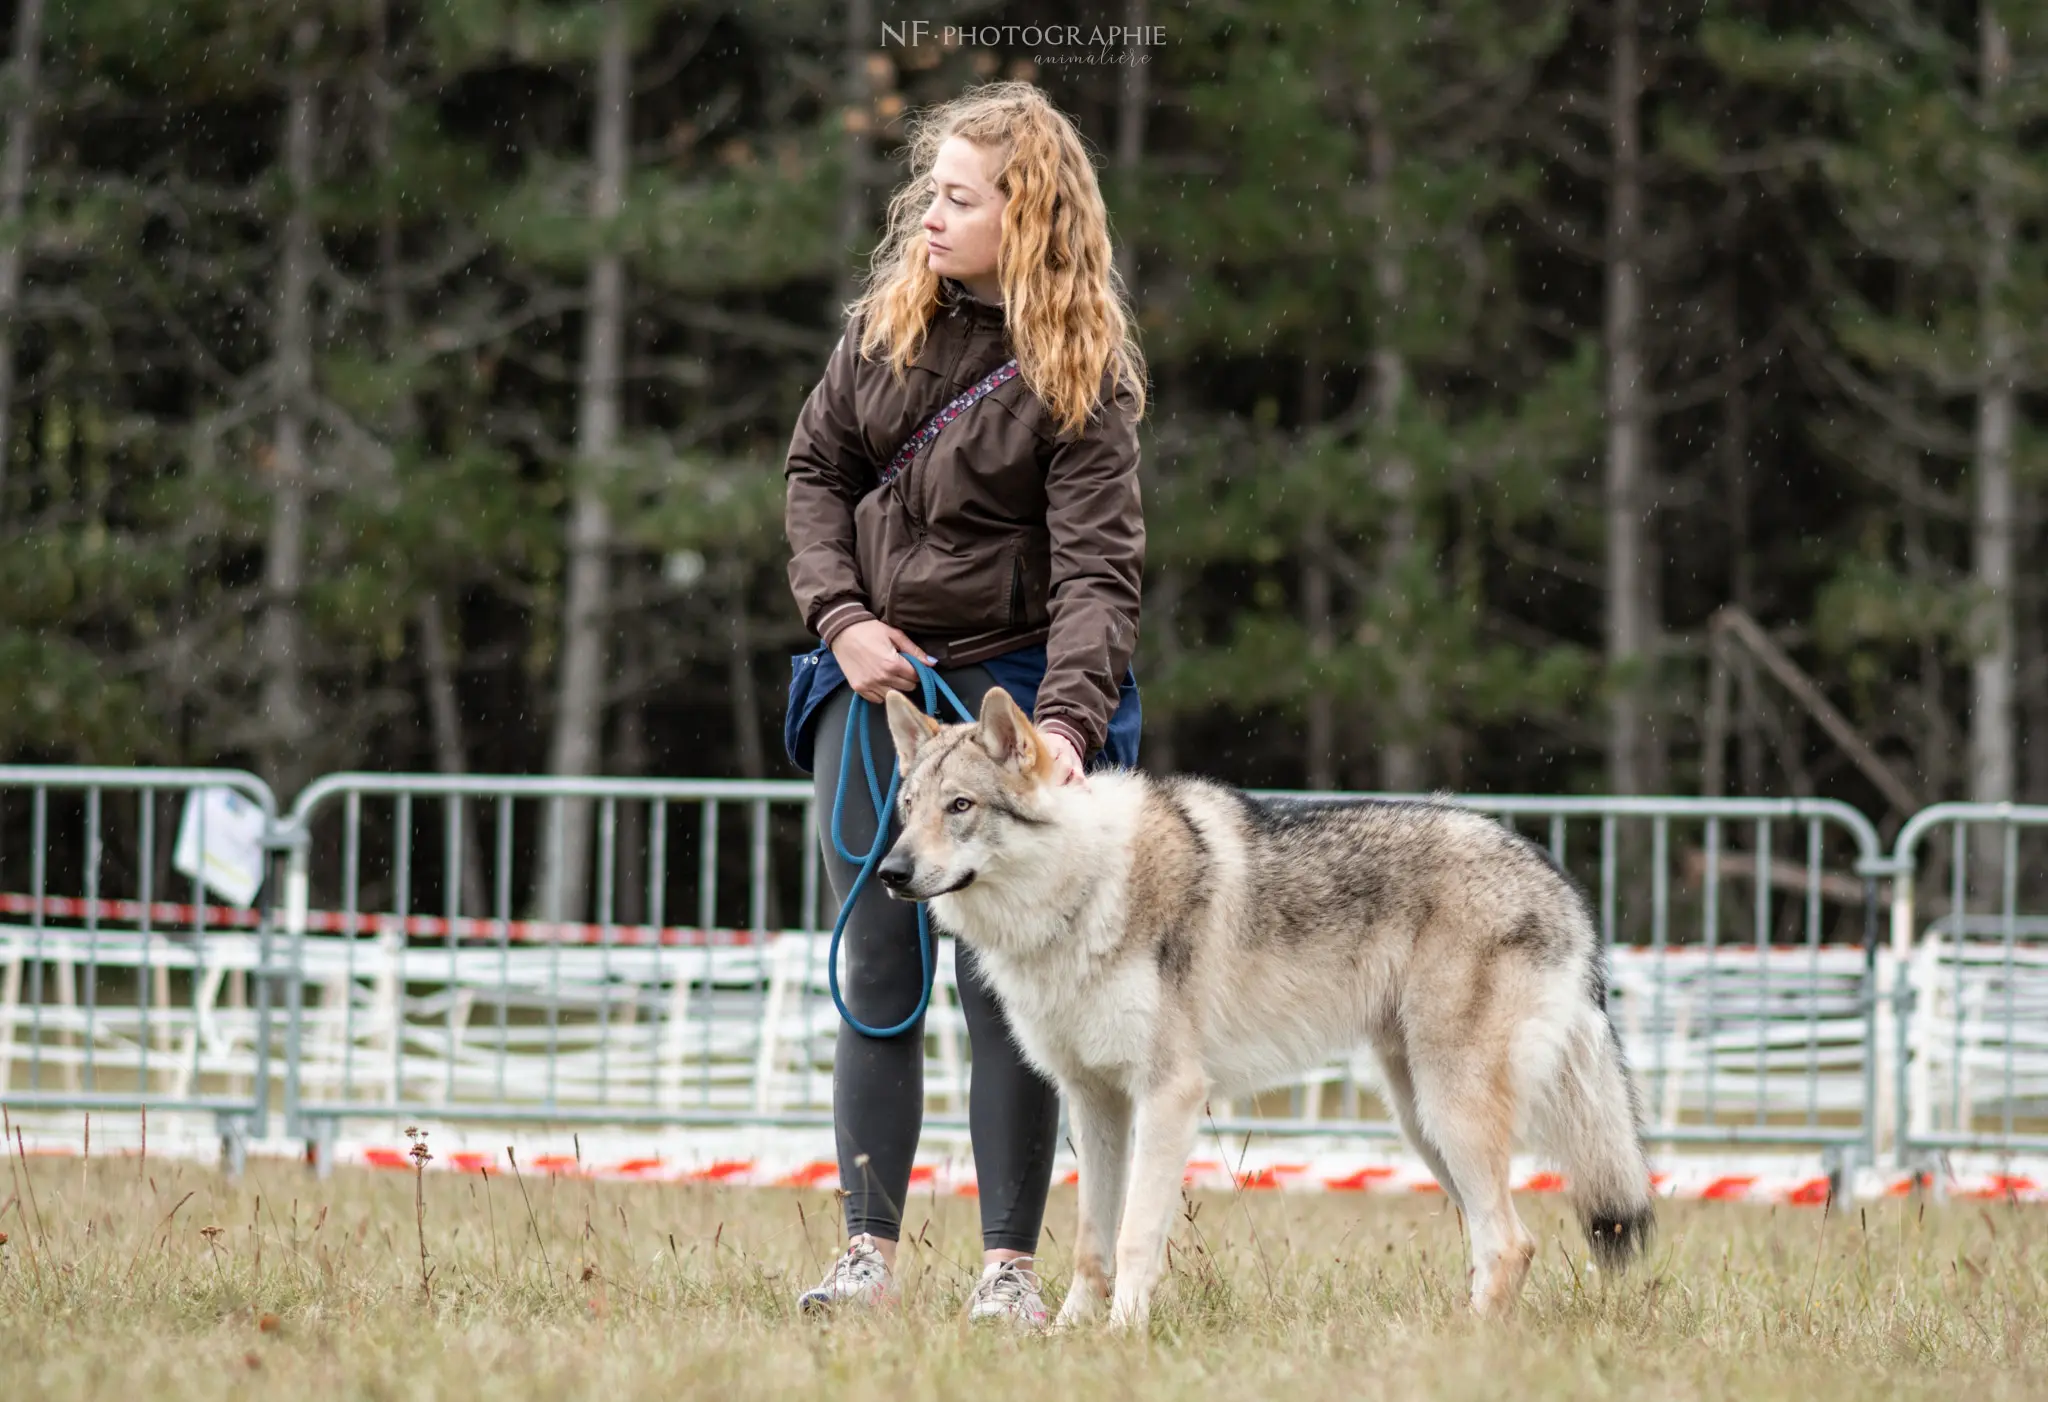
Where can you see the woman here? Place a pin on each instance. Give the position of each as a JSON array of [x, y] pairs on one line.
[[1002, 543]]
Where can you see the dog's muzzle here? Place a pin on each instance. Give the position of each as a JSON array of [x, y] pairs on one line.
[[896, 872]]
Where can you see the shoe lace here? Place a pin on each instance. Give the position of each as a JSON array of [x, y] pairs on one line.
[[1007, 1286], [857, 1265]]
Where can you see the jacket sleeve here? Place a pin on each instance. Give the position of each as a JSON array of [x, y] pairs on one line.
[[1098, 563], [827, 471]]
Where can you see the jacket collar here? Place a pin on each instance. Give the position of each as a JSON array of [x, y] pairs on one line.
[[957, 298]]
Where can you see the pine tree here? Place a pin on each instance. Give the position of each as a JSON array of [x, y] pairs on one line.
[[1369, 270], [1929, 150]]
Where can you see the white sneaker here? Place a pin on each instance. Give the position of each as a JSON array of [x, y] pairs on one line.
[[860, 1277], [1008, 1292]]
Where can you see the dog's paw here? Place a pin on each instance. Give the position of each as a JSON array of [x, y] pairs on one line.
[[1082, 1306], [1128, 1312]]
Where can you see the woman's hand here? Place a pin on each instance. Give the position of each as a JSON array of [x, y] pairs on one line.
[[1065, 757], [867, 653]]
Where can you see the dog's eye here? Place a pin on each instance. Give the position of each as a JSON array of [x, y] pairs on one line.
[[960, 805]]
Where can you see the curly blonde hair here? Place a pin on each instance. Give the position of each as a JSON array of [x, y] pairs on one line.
[[1063, 299]]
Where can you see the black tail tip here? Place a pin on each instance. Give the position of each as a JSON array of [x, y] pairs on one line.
[[1619, 1236]]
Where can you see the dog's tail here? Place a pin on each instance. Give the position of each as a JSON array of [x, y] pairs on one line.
[[1590, 1122]]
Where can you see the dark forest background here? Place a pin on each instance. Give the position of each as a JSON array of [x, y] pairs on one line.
[[404, 384]]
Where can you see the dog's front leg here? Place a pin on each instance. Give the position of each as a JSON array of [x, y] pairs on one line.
[[1168, 1115], [1102, 1130]]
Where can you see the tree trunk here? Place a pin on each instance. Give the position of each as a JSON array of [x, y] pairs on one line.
[[444, 712], [631, 756], [1132, 94], [579, 692], [21, 125], [1401, 753], [1162, 600], [739, 682], [1631, 566], [1734, 450], [1992, 757], [1935, 757], [2033, 671], [1319, 742], [438, 659], [1159, 746], [854, 120], [288, 723], [384, 102]]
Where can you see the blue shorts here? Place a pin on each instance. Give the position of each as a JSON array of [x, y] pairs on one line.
[[815, 675]]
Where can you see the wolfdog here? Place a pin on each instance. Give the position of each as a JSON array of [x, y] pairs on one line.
[[1157, 942]]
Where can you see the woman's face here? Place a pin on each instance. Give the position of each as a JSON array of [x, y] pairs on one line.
[[964, 221]]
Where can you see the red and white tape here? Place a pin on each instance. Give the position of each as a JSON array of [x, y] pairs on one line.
[[171, 916], [1698, 1182], [791, 1159], [167, 916]]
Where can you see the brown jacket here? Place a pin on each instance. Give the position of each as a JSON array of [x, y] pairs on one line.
[[1003, 532]]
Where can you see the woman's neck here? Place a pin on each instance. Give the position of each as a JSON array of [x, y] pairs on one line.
[[984, 289]]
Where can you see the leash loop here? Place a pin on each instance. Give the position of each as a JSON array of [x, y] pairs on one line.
[[884, 803]]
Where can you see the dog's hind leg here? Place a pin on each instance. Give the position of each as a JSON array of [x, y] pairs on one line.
[[1168, 1116], [1400, 1088], [1465, 1103], [1102, 1133]]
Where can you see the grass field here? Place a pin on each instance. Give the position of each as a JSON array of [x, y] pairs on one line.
[[127, 1280]]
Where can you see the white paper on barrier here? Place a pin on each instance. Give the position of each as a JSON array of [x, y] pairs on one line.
[[233, 864]]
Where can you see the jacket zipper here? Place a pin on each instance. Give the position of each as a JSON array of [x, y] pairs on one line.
[[1016, 591], [917, 530], [901, 486], [916, 517]]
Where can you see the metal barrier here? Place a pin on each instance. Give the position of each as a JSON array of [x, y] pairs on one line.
[[113, 997], [1741, 937], [427, 985], [1971, 984], [416, 978], [1741, 978]]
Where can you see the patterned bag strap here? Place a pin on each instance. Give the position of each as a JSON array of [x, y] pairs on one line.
[[966, 400]]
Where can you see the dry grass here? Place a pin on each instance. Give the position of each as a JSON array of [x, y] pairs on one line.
[[115, 1283]]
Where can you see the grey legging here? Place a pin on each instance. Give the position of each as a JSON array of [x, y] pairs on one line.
[[878, 1083]]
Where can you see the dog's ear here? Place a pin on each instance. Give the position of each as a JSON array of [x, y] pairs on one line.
[[908, 727], [1007, 733]]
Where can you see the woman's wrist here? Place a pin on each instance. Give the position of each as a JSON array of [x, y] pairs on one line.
[[1069, 732], [840, 617]]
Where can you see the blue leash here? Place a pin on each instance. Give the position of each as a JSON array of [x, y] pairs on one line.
[[885, 804]]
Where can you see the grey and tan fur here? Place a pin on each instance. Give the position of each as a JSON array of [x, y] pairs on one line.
[[1158, 942]]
